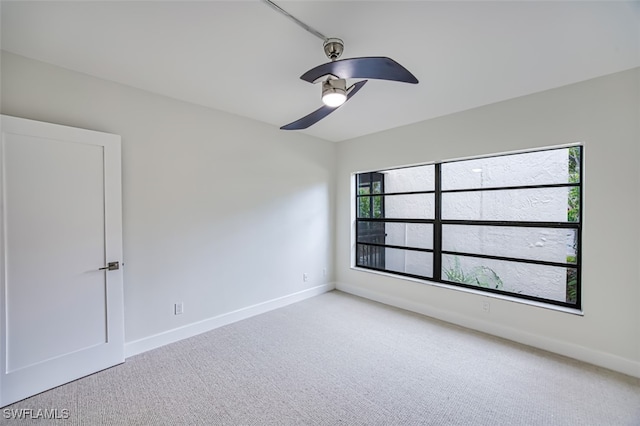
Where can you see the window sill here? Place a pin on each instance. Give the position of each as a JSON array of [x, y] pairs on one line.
[[534, 303]]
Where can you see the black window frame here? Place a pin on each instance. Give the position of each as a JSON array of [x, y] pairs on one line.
[[437, 223]]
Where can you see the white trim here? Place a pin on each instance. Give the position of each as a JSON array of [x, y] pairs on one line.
[[591, 356], [152, 342]]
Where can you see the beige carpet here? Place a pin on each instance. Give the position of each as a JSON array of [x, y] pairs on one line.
[[340, 360]]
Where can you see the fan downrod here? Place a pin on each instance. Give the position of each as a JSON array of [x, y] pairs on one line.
[[333, 48]]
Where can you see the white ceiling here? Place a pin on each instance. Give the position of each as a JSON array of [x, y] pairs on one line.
[[243, 57]]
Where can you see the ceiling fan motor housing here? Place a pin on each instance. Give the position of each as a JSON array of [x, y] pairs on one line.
[[333, 48], [334, 85]]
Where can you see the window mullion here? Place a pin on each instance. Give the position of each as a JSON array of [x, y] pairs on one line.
[[437, 226], [579, 245]]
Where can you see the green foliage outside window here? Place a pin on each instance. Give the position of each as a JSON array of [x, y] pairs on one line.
[[573, 215], [364, 205], [573, 210], [481, 276], [572, 285]]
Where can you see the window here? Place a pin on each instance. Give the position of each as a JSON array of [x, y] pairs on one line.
[[507, 224]]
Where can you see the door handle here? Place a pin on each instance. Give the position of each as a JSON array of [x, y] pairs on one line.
[[111, 266]]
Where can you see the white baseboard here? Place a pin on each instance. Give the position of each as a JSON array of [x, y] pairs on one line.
[[170, 336], [591, 356]]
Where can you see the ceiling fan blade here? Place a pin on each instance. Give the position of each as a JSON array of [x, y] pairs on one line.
[[378, 67], [322, 112]]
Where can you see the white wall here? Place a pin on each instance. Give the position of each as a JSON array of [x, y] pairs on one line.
[[220, 212], [604, 113]]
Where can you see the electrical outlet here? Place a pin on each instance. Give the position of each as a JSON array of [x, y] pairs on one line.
[[178, 308], [324, 272], [486, 306], [305, 277]]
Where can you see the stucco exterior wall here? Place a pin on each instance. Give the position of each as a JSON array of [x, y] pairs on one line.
[[539, 204]]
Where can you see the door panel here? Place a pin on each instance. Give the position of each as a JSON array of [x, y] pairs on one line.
[[61, 209]]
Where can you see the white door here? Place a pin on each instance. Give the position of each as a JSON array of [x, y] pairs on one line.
[[61, 313]]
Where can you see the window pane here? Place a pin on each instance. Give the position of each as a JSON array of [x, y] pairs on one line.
[[411, 206], [547, 244], [371, 256], [377, 207], [370, 183], [364, 209], [546, 282], [409, 261], [532, 168], [371, 232], [370, 207], [417, 235], [535, 204], [410, 179], [364, 183]]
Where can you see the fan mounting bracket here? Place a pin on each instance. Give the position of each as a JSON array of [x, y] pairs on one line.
[[333, 48]]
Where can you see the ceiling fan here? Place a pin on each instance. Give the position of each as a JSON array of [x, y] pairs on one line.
[[334, 74]]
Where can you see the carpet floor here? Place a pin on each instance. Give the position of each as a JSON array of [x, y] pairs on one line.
[[337, 359]]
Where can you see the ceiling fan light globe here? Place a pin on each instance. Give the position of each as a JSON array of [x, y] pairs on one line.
[[334, 92], [334, 99]]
